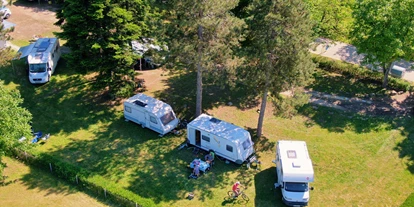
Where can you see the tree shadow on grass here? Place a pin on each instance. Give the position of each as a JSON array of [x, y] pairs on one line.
[[38, 6], [181, 94]]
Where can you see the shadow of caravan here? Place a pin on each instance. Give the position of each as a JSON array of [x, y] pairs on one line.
[[150, 113], [226, 140]]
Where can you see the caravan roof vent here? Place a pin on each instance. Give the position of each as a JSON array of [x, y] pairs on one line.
[[214, 120], [291, 154], [39, 55], [140, 103], [295, 164]]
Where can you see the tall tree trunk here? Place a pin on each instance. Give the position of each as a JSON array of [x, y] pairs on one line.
[[263, 105], [386, 69], [199, 96]]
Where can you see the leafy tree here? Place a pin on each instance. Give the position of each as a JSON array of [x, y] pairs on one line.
[[99, 34], [384, 32], [14, 122], [281, 32], [202, 36], [5, 53], [333, 18]]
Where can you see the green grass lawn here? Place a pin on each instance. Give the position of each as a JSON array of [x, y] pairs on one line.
[[28, 186], [358, 161]]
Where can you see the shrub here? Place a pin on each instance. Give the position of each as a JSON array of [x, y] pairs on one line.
[[359, 72]]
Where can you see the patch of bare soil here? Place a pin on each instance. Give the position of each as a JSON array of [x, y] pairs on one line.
[[32, 18], [397, 104]]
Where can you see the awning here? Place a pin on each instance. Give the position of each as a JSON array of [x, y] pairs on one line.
[[24, 51]]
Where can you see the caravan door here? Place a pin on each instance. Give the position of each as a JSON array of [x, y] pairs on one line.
[[154, 122], [197, 137]]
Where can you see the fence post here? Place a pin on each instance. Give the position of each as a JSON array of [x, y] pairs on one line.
[[25, 154], [105, 192], [50, 165], [77, 182], [136, 204]]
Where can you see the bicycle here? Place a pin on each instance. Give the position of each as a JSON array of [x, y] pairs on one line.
[[232, 195]]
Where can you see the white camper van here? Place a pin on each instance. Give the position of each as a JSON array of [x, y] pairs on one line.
[[294, 172], [226, 140], [150, 113], [42, 57]]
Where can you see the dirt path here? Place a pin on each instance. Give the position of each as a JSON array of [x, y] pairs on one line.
[[394, 105], [32, 19]]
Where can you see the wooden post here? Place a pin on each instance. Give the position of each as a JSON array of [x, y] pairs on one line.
[[105, 192], [77, 182], [50, 165]]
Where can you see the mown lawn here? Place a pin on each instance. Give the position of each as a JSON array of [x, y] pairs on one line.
[[358, 161]]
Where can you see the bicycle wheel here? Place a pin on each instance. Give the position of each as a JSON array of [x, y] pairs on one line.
[[245, 197], [230, 194]]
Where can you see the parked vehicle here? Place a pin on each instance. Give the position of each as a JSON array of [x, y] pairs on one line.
[[42, 57], [226, 140], [294, 172], [150, 113], [397, 71], [5, 12]]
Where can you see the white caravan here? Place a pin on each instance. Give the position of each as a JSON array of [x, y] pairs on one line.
[[226, 140], [294, 172], [42, 57], [150, 113]]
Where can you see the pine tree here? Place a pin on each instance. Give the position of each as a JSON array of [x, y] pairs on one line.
[[203, 35], [280, 34], [99, 34]]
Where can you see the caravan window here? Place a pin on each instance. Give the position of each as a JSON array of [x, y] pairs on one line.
[[37, 68], [296, 187], [167, 118], [128, 109], [247, 144], [153, 120], [205, 138], [229, 148]]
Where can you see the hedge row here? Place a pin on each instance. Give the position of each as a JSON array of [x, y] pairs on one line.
[[359, 72], [84, 179]]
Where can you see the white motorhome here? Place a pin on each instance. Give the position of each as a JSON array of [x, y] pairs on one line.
[[226, 140], [150, 113], [42, 57], [294, 172]]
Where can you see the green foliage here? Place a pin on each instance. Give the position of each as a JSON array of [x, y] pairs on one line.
[[280, 33], [5, 53], [99, 34], [383, 31], [409, 202], [288, 106], [14, 121], [355, 71], [202, 35], [333, 18]]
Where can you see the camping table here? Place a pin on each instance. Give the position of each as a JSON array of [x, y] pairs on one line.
[[204, 166]]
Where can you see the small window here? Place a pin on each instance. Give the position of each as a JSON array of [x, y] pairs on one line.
[[205, 138], [153, 120], [229, 148], [128, 109]]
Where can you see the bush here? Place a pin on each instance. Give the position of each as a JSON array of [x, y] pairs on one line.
[[359, 72]]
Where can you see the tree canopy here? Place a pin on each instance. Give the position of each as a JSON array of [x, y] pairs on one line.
[[384, 32], [14, 121], [280, 31], [202, 36], [99, 34]]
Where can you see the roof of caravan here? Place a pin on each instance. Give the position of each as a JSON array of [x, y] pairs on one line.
[[219, 128], [296, 162], [151, 104], [39, 51]]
